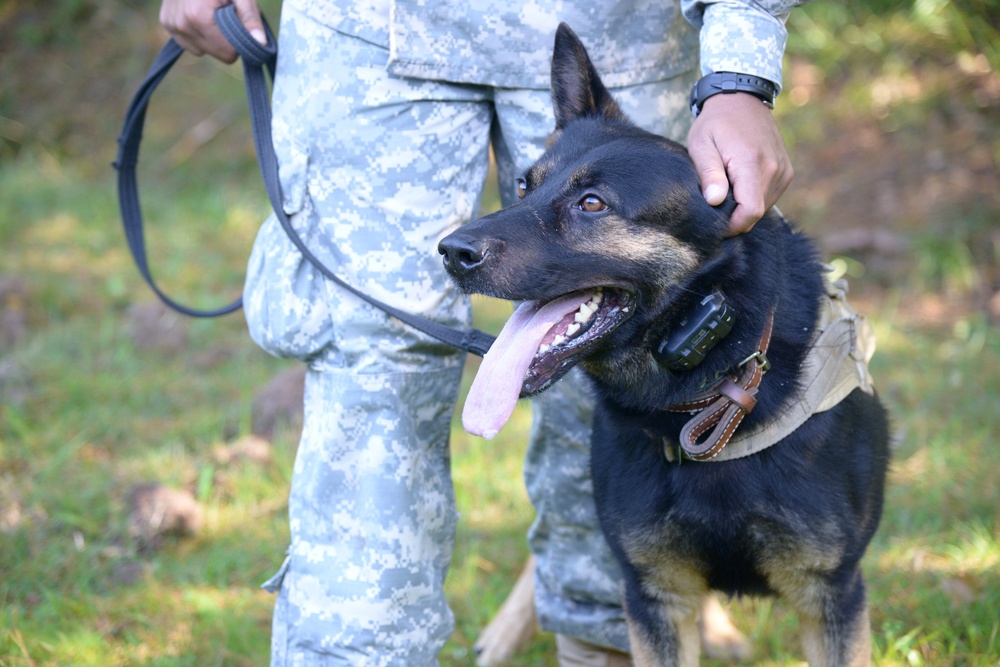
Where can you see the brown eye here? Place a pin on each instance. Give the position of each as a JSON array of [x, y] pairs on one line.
[[522, 188], [592, 204]]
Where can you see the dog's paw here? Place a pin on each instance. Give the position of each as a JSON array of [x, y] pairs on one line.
[[514, 624], [720, 640]]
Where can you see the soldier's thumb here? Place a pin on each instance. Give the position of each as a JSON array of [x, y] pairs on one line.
[[249, 14]]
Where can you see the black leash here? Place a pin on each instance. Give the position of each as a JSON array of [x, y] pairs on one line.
[[255, 57]]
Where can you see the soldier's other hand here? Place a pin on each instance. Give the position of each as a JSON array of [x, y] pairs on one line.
[[735, 143], [192, 24]]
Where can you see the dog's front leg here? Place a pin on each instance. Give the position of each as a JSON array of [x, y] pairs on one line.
[[662, 629], [822, 650], [837, 632]]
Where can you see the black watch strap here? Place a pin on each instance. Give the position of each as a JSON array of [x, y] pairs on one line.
[[731, 82]]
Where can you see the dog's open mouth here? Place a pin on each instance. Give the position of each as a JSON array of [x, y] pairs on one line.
[[541, 341]]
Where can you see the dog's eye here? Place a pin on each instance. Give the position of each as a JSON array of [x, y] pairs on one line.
[[522, 188], [592, 204]]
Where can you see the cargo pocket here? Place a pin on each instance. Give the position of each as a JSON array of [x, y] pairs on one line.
[[285, 302]]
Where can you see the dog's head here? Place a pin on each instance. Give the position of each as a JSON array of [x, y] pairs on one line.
[[610, 219]]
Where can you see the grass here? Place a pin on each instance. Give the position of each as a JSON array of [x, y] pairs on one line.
[[86, 412]]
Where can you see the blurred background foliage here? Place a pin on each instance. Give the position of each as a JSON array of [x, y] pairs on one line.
[[76, 54]]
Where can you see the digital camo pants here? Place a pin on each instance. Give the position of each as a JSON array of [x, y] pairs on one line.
[[375, 170]]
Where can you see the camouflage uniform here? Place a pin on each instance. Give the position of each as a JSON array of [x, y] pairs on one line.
[[383, 115]]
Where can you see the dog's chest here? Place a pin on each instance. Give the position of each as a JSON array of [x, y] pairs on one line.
[[694, 524], [732, 542], [676, 556]]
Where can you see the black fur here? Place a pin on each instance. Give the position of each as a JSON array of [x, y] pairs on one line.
[[794, 519]]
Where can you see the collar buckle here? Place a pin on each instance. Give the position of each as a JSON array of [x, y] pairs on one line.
[[762, 361]]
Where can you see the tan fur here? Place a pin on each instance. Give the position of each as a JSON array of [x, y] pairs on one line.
[[813, 643], [815, 640], [861, 647], [665, 569], [793, 568], [794, 571], [683, 616], [514, 624], [572, 652], [643, 655], [623, 240], [720, 639]]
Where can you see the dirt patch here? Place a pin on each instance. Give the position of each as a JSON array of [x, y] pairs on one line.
[[153, 326], [279, 403], [156, 511]]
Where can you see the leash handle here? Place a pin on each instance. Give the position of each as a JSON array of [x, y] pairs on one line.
[[256, 57], [131, 138], [128, 190]]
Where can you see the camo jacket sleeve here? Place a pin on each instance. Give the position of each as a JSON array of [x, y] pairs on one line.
[[746, 36]]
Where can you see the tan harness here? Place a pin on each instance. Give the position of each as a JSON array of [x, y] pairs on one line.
[[837, 363]]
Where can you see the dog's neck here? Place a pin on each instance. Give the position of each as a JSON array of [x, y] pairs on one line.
[[753, 273]]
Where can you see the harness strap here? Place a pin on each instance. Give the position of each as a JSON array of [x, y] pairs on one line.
[[720, 409], [836, 365], [255, 57]]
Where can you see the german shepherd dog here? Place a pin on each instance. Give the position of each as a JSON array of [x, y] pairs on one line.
[[610, 245]]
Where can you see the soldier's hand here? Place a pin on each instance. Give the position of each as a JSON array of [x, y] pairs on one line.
[[192, 24], [735, 143]]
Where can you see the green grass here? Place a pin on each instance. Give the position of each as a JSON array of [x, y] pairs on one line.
[[85, 414], [88, 414]]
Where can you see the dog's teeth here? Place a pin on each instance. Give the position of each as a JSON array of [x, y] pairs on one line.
[[572, 329], [587, 309], [559, 340], [545, 347]]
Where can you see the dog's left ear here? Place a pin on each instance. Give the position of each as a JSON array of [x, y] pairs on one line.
[[577, 90]]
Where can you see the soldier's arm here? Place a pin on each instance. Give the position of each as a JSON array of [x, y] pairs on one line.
[[735, 142]]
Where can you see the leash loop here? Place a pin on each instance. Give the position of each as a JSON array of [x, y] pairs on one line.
[[256, 57], [252, 52], [719, 411]]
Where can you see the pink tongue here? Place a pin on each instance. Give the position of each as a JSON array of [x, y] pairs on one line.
[[498, 383]]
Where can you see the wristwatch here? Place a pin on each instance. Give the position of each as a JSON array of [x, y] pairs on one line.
[[731, 82]]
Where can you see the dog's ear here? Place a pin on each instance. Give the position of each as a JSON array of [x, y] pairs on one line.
[[577, 90]]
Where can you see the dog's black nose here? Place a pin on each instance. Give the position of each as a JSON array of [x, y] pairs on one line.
[[462, 255]]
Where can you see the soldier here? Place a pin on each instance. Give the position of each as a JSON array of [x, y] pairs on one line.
[[384, 112]]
